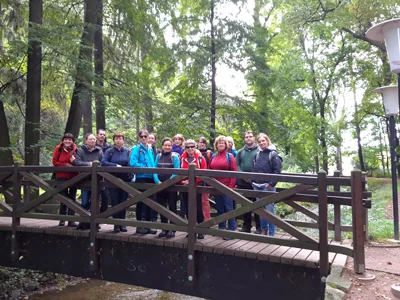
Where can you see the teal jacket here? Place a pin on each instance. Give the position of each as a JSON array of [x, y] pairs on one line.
[[142, 157], [245, 158]]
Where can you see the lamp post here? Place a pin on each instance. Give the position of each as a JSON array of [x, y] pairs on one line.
[[389, 31], [390, 101]]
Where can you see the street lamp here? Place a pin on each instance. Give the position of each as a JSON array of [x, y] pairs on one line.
[[389, 31], [391, 103]]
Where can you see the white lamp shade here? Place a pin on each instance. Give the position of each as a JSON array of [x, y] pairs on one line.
[[388, 31], [390, 99]]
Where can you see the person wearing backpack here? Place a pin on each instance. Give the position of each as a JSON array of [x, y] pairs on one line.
[[118, 156], [245, 159], [64, 156], [207, 154], [266, 161], [224, 161], [166, 159], [142, 157], [192, 155]]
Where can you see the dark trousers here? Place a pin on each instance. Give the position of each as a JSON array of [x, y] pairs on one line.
[[69, 193], [86, 196], [105, 198], [247, 217], [143, 212], [200, 216], [118, 196], [170, 198]]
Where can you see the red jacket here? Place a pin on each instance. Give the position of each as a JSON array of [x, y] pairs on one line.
[[61, 157], [220, 162], [199, 160]]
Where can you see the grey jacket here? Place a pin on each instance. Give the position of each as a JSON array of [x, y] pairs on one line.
[[84, 156]]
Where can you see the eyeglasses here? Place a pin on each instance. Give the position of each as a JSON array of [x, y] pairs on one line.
[[187, 147], [143, 136]]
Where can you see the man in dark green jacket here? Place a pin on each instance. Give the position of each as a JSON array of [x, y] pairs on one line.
[[245, 159]]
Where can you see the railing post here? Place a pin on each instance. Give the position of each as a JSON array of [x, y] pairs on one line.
[[323, 227], [192, 218], [365, 210], [16, 221], [94, 207], [358, 224], [337, 212]]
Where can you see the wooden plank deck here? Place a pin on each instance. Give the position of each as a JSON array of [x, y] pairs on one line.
[[211, 244]]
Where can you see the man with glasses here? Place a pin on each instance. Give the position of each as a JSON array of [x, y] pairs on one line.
[[245, 160], [142, 157]]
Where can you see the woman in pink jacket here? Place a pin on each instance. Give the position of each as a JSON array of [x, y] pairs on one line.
[[224, 161]]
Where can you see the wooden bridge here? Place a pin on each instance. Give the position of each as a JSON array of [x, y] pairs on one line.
[[287, 266]]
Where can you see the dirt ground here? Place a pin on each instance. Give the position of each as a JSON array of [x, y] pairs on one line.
[[382, 261]]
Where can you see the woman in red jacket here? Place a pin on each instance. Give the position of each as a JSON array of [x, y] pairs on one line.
[[191, 155], [224, 161], [64, 155]]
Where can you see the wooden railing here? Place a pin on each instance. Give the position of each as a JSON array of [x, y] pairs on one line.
[[307, 188]]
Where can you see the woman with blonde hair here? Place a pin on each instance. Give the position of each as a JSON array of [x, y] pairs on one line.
[[266, 161], [231, 146], [224, 161]]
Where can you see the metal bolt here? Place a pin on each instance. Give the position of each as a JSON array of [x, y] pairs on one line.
[[13, 236], [323, 279], [190, 278], [190, 257], [91, 263], [91, 244], [12, 252]]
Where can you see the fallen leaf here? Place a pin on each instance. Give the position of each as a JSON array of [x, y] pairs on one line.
[[389, 263]]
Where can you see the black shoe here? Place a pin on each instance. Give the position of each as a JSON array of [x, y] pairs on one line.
[[245, 230], [141, 231], [79, 227], [228, 238], [200, 236], [62, 223], [170, 234], [163, 233], [123, 228], [151, 231], [116, 229], [258, 231], [72, 224]]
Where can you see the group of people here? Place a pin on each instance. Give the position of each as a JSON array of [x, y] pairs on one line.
[[176, 152]]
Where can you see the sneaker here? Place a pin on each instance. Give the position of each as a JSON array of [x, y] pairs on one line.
[[245, 230], [62, 223], [200, 236], [123, 228], [170, 234], [151, 231], [258, 231], [72, 224], [163, 234], [141, 231], [116, 229]]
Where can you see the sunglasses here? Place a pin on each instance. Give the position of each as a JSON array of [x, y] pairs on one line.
[[143, 136], [187, 147]]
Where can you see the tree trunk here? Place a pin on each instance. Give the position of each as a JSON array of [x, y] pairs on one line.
[[33, 92], [6, 158], [82, 94], [146, 90], [359, 147], [213, 75], [99, 68]]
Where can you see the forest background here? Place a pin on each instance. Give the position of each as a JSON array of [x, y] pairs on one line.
[[300, 71]]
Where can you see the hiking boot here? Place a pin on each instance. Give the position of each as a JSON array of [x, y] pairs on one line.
[[163, 234], [245, 230], [62, 223], [170, 234], [141, 231], [151, 231], [72, 224], [116, 229], [123, 228], [258, 231]]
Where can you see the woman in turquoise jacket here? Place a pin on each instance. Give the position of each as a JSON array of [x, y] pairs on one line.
[[142, 157]]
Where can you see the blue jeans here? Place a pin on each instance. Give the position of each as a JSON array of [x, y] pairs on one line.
[[85, 195], [224, 204], [266, 225]]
